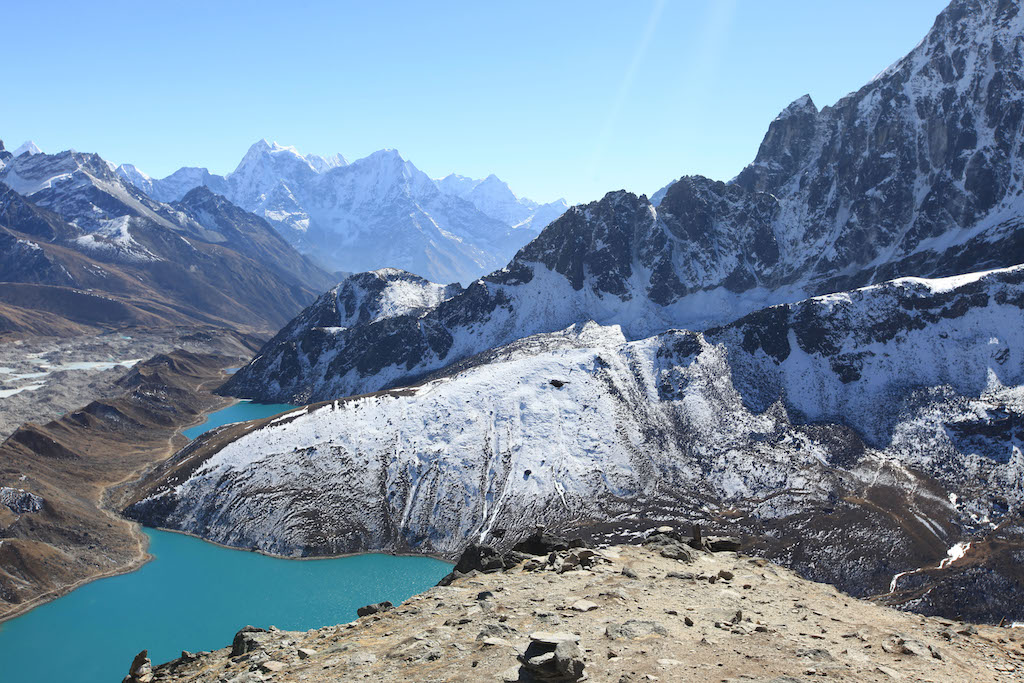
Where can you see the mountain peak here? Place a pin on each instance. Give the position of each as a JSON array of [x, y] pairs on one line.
[[27, 147], [131, 172], [801, 105], [386, 154]]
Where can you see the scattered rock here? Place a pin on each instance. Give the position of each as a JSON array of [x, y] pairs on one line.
[[891, 673], [685, 576], [20, 501], [816, 654], [494, 631], [272, 667]]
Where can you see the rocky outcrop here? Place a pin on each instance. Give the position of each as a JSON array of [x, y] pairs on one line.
[[375, 608]]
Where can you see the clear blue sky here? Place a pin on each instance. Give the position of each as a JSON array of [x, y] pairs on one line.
[[560, 98]]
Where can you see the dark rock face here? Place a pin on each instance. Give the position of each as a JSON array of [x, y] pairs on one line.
[[912, 175], [375, 315]]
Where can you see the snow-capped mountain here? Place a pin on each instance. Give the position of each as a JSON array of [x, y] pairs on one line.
[[27, 147], [68, 221], [886, 183], [866, 409], [495, 198], [380, 211]]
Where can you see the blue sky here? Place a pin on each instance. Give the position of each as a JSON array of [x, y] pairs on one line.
[[563, 98]]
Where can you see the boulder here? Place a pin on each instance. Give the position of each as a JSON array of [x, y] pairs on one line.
[[552, 657], [635, 629], [375, 608], [540, 543], [670, 545], [248, 639]]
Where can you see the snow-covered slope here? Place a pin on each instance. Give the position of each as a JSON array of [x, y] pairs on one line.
[[910, 176], [380, 211], [582, 424]]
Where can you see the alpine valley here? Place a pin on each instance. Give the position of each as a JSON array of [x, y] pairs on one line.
[[819, 362], [822, 356]]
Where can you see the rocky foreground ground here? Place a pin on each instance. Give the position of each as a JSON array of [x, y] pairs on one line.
[[659, 612]]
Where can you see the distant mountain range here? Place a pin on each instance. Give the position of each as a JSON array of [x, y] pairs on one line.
[[82, 249], [380, 211]]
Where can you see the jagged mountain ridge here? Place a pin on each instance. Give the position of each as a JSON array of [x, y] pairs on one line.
[[380, 211], [71, 227], [747, 426], [854, 194]]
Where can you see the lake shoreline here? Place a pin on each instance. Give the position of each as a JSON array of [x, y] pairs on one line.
[[140, 536], [196, 595], [105, 504]]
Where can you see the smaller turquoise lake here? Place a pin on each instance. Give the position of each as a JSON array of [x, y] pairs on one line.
[[243, 411], [194, 596]]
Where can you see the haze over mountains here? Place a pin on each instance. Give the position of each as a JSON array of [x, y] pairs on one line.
[[380, 211], [891, 411]]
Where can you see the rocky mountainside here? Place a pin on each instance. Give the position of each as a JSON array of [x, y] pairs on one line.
[[376, 212], [71, 229], [892, 412], [626, 614], [916, 174]]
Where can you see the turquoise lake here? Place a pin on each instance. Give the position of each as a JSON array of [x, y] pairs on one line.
[[194, 596], [239, 412]]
